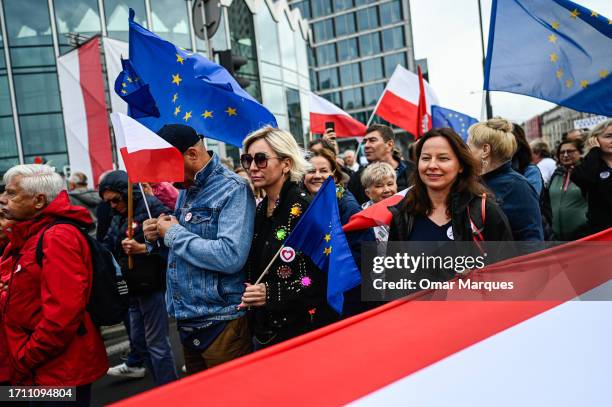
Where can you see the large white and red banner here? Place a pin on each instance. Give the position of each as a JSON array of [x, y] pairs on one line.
[[501, 352], [84, 109], [400, 100], [323, 111]]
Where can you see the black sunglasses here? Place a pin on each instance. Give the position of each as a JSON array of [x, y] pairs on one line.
[[261, 160], [115, 200]]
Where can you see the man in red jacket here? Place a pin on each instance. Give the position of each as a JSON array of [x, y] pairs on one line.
[[51, 339]]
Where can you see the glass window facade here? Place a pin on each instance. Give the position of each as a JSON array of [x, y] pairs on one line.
[[169, 21], [350, 74], [326, 54], [367, 18], [390, 12], [340, 5], [328, 78], [71, 17], [117, 12], [323, 30], [345, 24], [347, 49], [372, 69], [333, 97], [369, 44], [352, 98], [321, 7], [242, 34], [393, 38], [294, 113], [391, 61], [371, 93]]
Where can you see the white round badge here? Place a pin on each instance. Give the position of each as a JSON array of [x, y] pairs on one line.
[[604, 174], [188, 217], [287, 254], [449, 233]]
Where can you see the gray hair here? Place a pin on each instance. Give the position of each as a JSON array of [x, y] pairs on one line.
[[284, 145], [376, 172], [37, 179]]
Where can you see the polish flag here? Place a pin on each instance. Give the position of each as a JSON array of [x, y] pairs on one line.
[[147, 157], [375, 215], [424, 118], [84, 110], [422, 351], [323, 111], [400, 100]]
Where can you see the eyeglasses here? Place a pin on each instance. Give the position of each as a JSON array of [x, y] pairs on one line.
[[261, 160], [115, 200]]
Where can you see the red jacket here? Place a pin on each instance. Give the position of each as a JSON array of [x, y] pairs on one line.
[[45, 306], [4, 355]]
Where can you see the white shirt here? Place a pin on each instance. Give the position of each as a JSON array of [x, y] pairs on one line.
[[547, 167]]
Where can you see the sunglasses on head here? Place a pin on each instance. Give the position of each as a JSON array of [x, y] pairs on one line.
[[261, 160]]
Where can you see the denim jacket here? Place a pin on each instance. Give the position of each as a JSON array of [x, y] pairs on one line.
[[209, 246]]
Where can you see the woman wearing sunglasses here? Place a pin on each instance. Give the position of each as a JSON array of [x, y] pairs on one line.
[[290, 299]]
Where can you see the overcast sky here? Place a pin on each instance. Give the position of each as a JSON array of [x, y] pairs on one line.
[[447, 33]]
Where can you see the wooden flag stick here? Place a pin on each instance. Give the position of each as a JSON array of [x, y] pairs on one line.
[[269, 265], [130, 220]]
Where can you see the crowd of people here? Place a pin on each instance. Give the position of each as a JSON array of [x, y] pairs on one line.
[[204, 251]]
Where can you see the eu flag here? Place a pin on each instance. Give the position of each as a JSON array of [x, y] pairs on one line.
[[137, 95], [442, 117], [554, 50], [190, 89], [318, 234]]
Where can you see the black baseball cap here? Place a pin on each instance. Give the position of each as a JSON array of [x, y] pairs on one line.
[[179, 135]]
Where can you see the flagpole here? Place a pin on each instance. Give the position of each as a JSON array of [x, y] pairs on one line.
[[145, 201], [130, 220], [375, 108], [487, 97], [268, 266]]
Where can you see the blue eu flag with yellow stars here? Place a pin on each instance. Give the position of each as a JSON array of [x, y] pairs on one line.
[[136, 94], [319, 235], [190, 89], [554, 50], [442, 117]]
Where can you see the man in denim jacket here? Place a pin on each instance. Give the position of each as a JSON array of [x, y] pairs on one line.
[[207, 242]]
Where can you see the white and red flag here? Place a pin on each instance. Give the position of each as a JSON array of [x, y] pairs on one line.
[[399, 103], [375, 215], [323, 111], [147, 157], [423, 117], [85, 116]]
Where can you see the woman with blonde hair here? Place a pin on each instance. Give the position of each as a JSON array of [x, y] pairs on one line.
[[290, 299], [493, 145], [594, 177]]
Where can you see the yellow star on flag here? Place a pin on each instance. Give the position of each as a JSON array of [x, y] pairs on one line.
[[553, 57], [574, 13], [559, 73], [174, 97], [176, 79], [327, 237], [552, 38], [594, 13], [569, 83], [603, 73], [327, 251], [177, 110], [555, 25], [129, 79], [123, 84], [584, 83], [187, 116], [230, 111], [207, 114], [179, 59], [124, 91]]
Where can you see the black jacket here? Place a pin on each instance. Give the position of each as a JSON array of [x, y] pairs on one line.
[[296, 291], [496, 227], [404, 172], [148, 274], [594, 179]]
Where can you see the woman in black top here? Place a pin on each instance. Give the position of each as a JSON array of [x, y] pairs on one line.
[[594, 177], [446, 198], [290, 299]]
